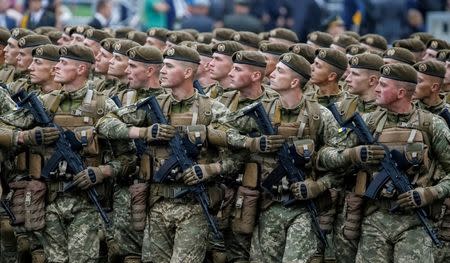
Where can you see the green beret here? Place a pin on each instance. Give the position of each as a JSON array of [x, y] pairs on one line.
[[366, 61], [355, 49], [48, 52], [123, 45], [264, 35], [96, 34], [43, 30], [122, 32], [284, 33], [193, 32], [227, 47], [432, 68], [333, 57], [33, 41], [158, 33], [437, 44], [411, 44], [79, 29], [273, 48], [321, 39], [145, 54], [4, 36], [304, 50], [253, 58], [352, 34], [77, 52], [176, 37], [191, 44], [204, 38], [18, 33], [223, 34], [138, 37], [375, 41], [182, 53], [422, 36], [204, 49], [54, 36], [344, 41], [108, 44], [400, 72], [247, 38], [67, 30], [297, 63], [400, 54], [443, 55]]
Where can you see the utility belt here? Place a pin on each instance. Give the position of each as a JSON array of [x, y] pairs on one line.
[[387, 205], [175, 192]]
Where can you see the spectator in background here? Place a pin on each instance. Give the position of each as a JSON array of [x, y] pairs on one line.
[[241, 19], [103, 14], [198, 18], [306, 16], [154, 14], [37, 16], [5, 20], [219, 9]]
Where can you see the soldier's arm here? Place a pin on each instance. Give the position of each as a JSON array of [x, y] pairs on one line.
[[6, 103], [440, 144]]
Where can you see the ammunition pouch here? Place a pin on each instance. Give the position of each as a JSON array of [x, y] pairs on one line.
[[194, 140], [139, 199], [304, 150], [88, 139], [35, 194], [326, 204], [353, 216], [18, 200], [226, 207], [245, 210]]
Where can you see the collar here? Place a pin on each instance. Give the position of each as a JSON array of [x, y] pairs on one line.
[[75, 95]]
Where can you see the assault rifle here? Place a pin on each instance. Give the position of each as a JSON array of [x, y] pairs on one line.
[[179, 159], [446, 115], [63, 152], [5, 204], [390, 170], [286, 167]]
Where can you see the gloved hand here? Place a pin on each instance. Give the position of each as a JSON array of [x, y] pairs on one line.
[[307, 189], [39, 136], [200, 173], [88, 177], [418, 197], [157, 132], [365, 154], [264, 144]]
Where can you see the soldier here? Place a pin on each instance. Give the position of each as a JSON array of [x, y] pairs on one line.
[[398, 55], [319, 39], [222, 34], [414, 45], [285, 234], [249, 40], [102, 64], [220, 66], [92, 39], [362, 80], [157, 37], [374, 43], [77, 34], [42, 69], [4, 36], [122, 32], [24, 59], [342, 42], [433, 47], [329, 66], [205, 38], [176, 37], [446, 87], [65, 38], [9, 73], [283, 36], [176, 230], [386, 235], [203, 77], [138, 37], [272, 53], [422, 36]]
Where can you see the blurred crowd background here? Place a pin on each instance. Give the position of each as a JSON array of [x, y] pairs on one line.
[[394, 19]]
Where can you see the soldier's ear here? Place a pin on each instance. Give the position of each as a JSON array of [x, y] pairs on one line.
[[332, 76], [188, 73], [295, 82], [436, 87]]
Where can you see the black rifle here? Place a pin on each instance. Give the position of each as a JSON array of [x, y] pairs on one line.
[[178, 159], [5, 204], [199, 87], [19, 96], [117, 101], [63, 152], [389, 170], [446, 115], [286, 167]]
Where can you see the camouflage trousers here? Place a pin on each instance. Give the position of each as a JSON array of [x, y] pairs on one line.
[[128, 240], [176, 231], [8, 247], [442, 255], [345, 250], [284, 235], [72, 230], [387, 237], [27, 241]]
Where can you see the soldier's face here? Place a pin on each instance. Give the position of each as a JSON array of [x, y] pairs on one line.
[[357, 81], [430, 54], [281, 78], [117, 65], [220, 66], [271, 62], [77, 39], [41, 70], [447, 72], [137, 73], [319, 72], [172, 74], [93, 45], [66, 71], [203, 69], [24, 59], [102, 61], [154, 42], [423, 87], [240, 76], [386, 92], [11, 52], [64, 40]]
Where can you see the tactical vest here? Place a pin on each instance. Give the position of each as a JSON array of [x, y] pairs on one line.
[[411, 139]]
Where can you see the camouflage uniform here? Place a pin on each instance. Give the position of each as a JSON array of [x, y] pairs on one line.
[[176, 229], [215, 90], [324, 100], [398, 235], [285, 234], [8, 74]]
